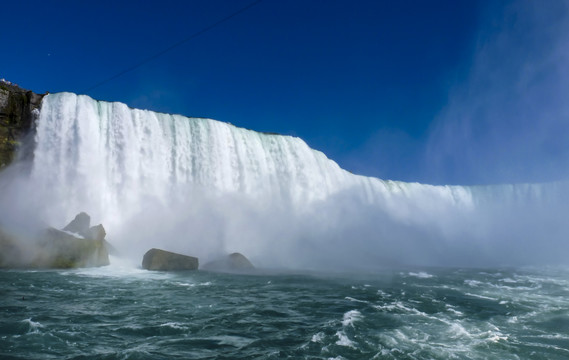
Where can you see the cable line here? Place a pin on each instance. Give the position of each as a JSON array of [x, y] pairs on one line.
[[181, 42]]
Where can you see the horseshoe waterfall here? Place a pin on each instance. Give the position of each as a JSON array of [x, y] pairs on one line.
[[206, 187]]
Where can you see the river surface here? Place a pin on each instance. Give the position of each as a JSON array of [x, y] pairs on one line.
[[121, 312]]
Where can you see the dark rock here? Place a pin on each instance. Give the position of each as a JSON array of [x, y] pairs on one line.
[[156, 259], [59, 249], [18, 112], [56, 249], [80, 225], [235, 262], [97, 233]]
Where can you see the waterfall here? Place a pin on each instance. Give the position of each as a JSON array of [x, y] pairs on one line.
[[205, 185]]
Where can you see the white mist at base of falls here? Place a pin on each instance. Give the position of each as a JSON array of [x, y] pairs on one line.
[[204, 187]]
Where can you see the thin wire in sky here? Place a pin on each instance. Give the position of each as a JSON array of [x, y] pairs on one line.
[[179, 43]]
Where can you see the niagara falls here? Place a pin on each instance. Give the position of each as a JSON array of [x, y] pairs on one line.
[[265, 180]]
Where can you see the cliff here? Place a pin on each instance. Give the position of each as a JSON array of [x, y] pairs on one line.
[[18, 111]]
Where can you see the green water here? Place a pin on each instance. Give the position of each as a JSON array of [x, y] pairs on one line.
[[126, 313]]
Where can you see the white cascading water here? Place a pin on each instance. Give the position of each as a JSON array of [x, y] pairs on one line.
[[193, 184]]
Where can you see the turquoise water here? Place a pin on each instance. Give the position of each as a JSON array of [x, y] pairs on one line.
[[126, 313]]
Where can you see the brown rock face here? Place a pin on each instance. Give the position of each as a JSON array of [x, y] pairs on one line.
[[156, 259], [18, 111]]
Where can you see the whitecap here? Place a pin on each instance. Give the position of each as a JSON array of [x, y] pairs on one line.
[[451, 309], [356, 300], [33, 326], [480, 296], [473, 283], [232, 340], [350, 317], [343, 340], [174, 325], [458, 331], [318, 337], [421, 275]]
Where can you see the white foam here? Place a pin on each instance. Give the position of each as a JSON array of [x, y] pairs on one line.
[[458, 331], [421, 275], [343, 340], [120, 268], [452, 309], [174, 325], [318, 337], [472, 283], [350, 317], [481, 296], [33, 326], [356, 300]]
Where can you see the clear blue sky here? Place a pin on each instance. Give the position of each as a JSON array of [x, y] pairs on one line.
[[440, 91]]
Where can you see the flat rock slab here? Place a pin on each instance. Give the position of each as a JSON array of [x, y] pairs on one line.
[[156, 259]]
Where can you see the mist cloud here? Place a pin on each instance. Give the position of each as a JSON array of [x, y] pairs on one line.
[[509, 121]]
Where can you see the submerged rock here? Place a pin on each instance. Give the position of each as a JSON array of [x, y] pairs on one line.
[[157, 259], [235, 262]]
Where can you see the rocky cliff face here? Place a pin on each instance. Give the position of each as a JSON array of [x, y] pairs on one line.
[[18, 111]]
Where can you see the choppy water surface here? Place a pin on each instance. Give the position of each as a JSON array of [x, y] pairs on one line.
[[121, 313]]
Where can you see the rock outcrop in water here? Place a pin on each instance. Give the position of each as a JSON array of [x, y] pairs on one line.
[[77, 245], [235, 262], [57, 249], [18, 110], [157, 259], [63, 250]]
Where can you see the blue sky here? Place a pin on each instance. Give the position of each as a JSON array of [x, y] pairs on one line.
[[460, 92]]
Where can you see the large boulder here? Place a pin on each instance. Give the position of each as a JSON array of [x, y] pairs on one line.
[[157, 259], [60, 249], [77, 245], [235, 262]]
